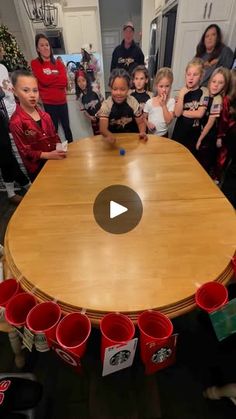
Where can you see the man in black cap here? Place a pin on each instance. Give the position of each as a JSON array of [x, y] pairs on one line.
[[127, 55]]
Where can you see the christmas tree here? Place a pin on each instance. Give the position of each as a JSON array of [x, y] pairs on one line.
[[13, 57]]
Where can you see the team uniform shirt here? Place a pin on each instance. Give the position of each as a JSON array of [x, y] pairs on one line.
[[52, 81], [32, 138], [127, 58], [5, 84], [121, 115], [207, 153], [90, 102], [156, 117], [188, 130], [142, 97], [214, 108]]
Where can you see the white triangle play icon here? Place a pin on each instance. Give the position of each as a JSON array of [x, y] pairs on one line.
[[116, 209]]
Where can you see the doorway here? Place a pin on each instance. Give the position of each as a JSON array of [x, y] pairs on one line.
[[110, 40]]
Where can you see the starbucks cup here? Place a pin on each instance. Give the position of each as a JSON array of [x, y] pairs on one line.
[[211, 296], [73, 332], [155, 328], [116, 328], [18, 308], [42, 321]]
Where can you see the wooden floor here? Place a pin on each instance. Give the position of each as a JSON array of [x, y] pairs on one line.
[[175, 393]]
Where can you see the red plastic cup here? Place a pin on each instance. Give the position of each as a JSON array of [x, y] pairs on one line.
[[73, 332], [42, 320], [116, 328], [211, 296], [8, 289], [154, 327], [18, 308]]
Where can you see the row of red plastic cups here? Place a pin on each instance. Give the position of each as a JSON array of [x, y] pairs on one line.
[[73, 330]]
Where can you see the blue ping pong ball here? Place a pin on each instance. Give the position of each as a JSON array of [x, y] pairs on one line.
[[122, 151]]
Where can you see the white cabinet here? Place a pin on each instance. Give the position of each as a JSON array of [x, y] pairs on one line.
[[80, 27], [206, 10], [185, 49]]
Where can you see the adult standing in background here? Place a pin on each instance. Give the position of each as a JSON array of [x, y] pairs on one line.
[[213, 52], [52, 83], [128, 54]]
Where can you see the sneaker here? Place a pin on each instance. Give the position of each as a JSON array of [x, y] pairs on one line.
[[16, 199]]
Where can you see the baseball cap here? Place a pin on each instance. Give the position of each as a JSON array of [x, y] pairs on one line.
[[128, 25]]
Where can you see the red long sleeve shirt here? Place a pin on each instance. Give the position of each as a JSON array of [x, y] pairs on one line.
[[31, 139], [226, 122], [52, 81]]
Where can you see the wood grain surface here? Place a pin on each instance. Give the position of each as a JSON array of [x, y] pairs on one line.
[[186, 237]]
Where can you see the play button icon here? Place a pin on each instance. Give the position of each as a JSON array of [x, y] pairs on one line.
[[117, 209]]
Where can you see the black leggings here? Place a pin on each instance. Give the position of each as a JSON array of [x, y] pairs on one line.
[[59, 113]]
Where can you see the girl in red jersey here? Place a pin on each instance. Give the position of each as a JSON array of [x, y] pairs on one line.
[[32, 129]]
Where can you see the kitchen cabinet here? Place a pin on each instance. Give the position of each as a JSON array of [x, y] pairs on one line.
[[206, 10]]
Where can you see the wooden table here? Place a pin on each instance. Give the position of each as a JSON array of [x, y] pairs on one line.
[[185, 238]]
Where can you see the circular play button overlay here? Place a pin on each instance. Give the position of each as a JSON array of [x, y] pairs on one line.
[[117, 209]]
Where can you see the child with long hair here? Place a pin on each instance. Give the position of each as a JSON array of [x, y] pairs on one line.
[[159, 111], [120, 112], [206, 145], [191, 106], [32, 129], [226, 140], [90, 101], [140, 83]]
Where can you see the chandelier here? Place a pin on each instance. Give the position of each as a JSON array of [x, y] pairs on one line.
[[42, 11], [34, 9]]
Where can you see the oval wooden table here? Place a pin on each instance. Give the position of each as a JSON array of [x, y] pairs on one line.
[[185, 238]]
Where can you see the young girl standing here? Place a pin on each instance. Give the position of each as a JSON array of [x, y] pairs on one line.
[[120, 112], [32, 129], [159, 111], [140, 83], [227, 138], [206, 145], [90, 101], [191, 106]]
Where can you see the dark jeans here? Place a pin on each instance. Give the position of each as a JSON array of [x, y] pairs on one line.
[[59, 113]]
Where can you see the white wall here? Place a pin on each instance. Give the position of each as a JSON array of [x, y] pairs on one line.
[[148, 14]]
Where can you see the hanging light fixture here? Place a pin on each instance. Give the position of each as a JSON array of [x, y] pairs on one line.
[[50, 14], [34, 9]]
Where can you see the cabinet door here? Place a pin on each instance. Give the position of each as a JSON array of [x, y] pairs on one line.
[[205, 10], [80, 28], [184, 50], [219, 10], [193, 11]]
